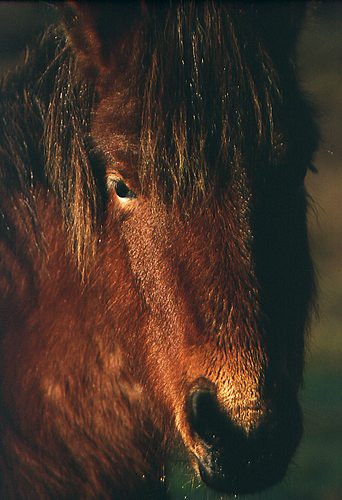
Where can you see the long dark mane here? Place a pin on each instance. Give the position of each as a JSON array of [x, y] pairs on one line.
[[205, 74]]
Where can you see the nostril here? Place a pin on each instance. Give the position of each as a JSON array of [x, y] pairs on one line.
[[204, 415]]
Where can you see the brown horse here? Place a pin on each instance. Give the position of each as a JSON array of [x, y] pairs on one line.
[[156, 281]]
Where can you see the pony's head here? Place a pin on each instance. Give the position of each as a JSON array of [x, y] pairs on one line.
[[205, 140]]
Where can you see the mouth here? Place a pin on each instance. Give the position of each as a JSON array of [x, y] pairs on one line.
[[231, 475], [233, 461]]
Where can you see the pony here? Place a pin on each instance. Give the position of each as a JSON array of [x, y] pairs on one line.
[[156, 279]]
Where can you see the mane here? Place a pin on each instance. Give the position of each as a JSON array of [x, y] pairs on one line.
[[46, 108], [208, 91]]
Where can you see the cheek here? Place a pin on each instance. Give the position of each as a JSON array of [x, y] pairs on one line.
[[117, 287], [146, 238]]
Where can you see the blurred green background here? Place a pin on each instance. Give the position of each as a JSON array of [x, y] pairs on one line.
[[316, 473]]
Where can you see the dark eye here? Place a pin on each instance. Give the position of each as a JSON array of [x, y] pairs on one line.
[[123, 191]]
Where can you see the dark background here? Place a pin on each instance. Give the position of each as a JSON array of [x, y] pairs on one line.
[[316, 473]]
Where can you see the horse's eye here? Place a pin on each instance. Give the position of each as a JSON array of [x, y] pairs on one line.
[[123, 191]]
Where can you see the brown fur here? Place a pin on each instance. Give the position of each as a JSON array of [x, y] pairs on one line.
[[116, 311]]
